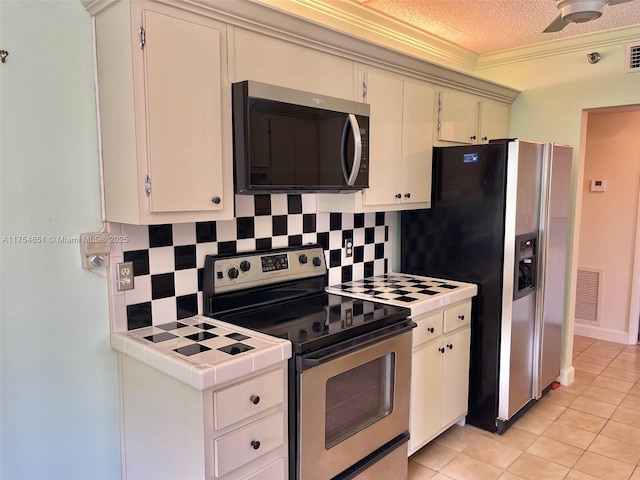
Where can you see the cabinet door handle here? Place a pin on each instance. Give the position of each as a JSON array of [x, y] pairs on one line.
[[255, 399], [461, 317], [431, 329], [450, 346], [407, 195], [398, 195], [484, 139], [255, 444], [216, 200], [441, 350], [473, 137]]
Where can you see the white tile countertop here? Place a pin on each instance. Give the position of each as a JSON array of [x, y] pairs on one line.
[[202, 352], [420, 294]]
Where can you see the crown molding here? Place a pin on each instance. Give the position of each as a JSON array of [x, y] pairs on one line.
[[552, 48], [351, 17], [294, 26]]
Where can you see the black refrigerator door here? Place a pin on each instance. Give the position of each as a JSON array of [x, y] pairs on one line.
[[462, 238]]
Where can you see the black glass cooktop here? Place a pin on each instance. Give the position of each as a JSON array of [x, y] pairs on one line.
[[318, 320]]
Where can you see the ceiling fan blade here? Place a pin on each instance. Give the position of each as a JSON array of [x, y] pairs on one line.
[[558, 24], [617, 2]]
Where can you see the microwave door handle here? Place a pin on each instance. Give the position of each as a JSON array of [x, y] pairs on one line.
[[351, 124]]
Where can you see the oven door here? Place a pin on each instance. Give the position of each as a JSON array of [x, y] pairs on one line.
[[353, 399]]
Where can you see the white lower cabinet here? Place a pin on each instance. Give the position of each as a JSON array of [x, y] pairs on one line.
[[171, 430], [248, 443], [439, 372], [276, 471]]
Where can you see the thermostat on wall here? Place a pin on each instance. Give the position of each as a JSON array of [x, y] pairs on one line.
[[598, 185]]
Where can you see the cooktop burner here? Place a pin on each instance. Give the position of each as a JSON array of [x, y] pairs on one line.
[[281, 293], [317, 321]]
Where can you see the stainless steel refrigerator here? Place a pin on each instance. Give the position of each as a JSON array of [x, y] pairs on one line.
[[499, 218]]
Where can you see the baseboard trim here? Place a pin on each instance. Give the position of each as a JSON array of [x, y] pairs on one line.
[[601, 333], [567, 376]]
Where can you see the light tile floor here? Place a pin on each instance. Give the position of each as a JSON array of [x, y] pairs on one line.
[[588, 430]]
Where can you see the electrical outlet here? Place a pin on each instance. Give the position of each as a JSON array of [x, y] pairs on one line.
[[348, 247], [124, 276]]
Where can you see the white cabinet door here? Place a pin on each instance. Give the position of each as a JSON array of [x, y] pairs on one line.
[[417, 142], [183, 99], [400, 136], [165, 115], [455, 374], [426, 394], [400, 145], [384, 95], [270, 60], [494, 121], [458, 117]]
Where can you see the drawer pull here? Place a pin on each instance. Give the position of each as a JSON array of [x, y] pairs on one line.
[[255, 399], [450, 346], [441, 350], [255, 444], [431, 329], [461, 317]]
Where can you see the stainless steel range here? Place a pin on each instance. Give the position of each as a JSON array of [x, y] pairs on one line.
[[349, 377]]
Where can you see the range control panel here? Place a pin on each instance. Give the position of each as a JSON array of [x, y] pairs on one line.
[[248, 270]]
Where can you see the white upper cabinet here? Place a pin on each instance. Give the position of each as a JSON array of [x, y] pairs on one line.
[[400, 144], [494, 121], [164, 74], [278, 62], [384, 94], [417, 142], [165, 115], [457, 117], [463, 118]]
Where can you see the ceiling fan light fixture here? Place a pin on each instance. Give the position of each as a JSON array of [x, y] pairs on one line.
[[580, 11]]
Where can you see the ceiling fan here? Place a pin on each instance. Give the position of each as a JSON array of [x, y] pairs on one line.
[[579, 11]]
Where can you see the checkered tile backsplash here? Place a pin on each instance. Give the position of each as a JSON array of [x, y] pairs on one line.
[[168, 260]]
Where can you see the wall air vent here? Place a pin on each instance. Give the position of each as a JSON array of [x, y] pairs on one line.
[[588, 290], [633, 58]]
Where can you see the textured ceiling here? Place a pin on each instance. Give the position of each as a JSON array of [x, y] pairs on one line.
[[485, 26]]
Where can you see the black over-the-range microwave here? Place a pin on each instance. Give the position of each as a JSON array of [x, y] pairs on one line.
[[290, 141]]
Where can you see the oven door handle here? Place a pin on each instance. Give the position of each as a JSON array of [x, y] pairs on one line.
[[324, 355]]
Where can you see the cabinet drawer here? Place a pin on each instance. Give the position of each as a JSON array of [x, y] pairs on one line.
[[248, 443], [457, 316], [429, 327], [248, 398], [275, 471]]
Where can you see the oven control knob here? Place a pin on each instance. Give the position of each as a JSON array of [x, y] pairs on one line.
[[302, 334], [317, 327], [233, 273], [245, 265], [317, 262], [303, 259]]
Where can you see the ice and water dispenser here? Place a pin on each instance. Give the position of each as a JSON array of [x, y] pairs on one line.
[[525, 274]]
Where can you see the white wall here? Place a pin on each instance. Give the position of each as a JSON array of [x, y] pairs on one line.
[[557, 84], [608, 221], [59, 400]]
